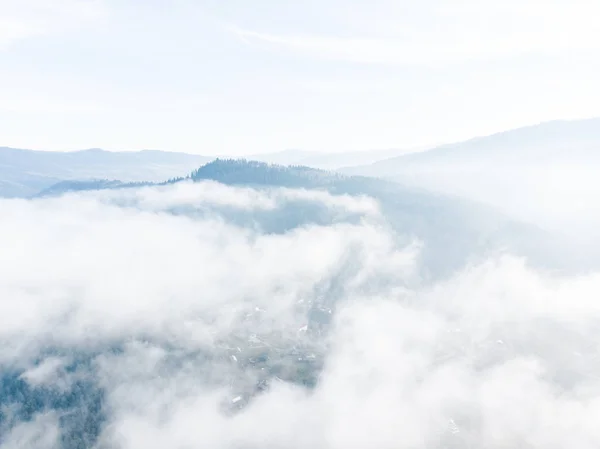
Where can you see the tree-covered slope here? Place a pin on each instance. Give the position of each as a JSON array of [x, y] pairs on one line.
[[452, 231]]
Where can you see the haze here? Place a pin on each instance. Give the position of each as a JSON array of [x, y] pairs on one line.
[[407, 256]]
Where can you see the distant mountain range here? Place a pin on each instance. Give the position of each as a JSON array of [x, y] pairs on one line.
[[26, 172], [556, 142], [545, 174]]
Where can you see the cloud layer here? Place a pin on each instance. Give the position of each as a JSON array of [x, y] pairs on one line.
[[182, 316]]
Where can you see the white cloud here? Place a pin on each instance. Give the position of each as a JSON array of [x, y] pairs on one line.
[[218, 195], [49, 372], [96, 264], [497, 356], [42, 432]]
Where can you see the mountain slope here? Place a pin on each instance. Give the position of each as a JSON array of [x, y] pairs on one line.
[[453, 231], [545, 174], [26, 172], [547, 143]]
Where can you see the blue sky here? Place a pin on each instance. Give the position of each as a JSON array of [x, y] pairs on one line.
[[233, 76]]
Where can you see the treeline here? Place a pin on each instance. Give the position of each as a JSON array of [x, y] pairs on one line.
[[226, 171], [242, 171]]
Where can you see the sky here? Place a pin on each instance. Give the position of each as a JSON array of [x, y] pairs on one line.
[[239, 77]]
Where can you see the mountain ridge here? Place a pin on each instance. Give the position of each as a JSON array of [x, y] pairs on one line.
[[528, 144], [427, 216]]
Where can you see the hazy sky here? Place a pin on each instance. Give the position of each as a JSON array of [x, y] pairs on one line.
[[212, 76]]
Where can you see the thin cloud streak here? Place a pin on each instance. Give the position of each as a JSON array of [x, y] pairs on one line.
[[453, 33]]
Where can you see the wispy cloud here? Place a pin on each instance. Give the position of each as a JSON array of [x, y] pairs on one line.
[[445, 33]]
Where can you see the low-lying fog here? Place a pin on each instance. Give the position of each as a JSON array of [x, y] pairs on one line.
[[167, 317]]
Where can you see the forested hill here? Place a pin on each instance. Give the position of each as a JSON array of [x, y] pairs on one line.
[[242, 171], [453, 230], [225, 171]]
